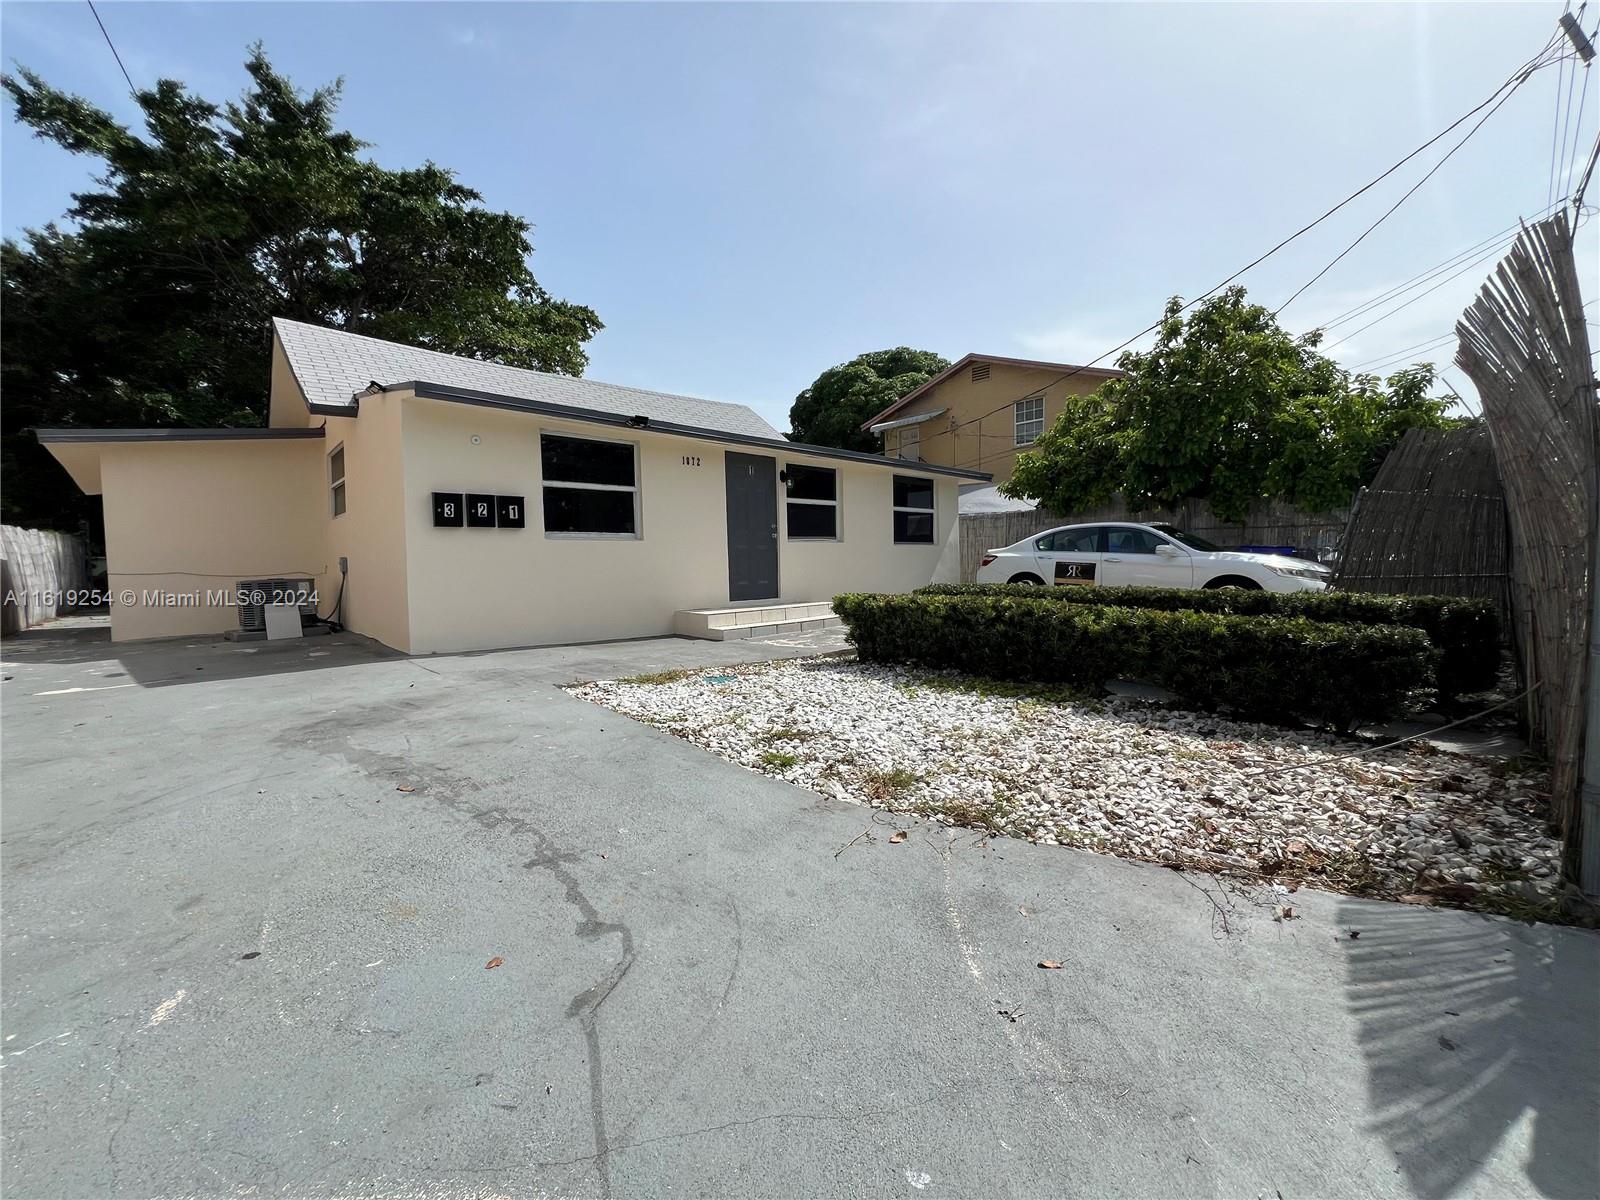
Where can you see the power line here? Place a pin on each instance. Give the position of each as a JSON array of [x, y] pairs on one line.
[[1412, 190], [1471, 265], [133, 90], [1499, 238], [1555, 124], [1577, 128], [1514, 80], [238, 280], [1384, 360], [1566, 118], [1481, 259]]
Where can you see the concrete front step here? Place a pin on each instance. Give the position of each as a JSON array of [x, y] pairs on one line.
[[729, 624]]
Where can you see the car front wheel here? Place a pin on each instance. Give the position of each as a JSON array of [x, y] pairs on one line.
[[1234, 581]]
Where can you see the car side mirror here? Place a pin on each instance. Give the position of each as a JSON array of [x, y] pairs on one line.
[[1166, 550]]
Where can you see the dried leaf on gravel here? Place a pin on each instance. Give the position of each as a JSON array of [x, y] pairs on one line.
[[1049, 964], [899, 835], [404, 787], [493, 963]]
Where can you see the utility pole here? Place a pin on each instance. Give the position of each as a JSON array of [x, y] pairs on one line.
[[1589, 770]]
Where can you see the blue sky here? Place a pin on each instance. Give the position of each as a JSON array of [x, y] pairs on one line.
[[748, 194]]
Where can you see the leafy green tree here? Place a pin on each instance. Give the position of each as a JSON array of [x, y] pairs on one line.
[[153, 305], [1228, 407], [831, 411]]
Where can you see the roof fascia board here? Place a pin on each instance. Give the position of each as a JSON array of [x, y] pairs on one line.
[[433, 391], [263, 434]]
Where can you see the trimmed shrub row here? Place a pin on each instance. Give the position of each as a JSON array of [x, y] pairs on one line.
[[1262, 667], [1465, 631]]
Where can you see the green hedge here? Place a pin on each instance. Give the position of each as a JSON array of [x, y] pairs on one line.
[[1465, 631], [1265, 667]]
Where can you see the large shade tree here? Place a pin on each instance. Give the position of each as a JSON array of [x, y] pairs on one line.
[[831, 411], [1228, 407], [151, 304]]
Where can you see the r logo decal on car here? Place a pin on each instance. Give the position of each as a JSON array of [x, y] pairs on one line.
[[1076, 574]]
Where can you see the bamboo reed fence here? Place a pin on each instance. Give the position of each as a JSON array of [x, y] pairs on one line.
[[1432, 522], [1523, 343], [1269, 523]]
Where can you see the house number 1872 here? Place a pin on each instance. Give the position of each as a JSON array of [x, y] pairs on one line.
[[691, 460]]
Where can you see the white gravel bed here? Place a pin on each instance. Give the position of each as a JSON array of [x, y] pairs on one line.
[[1120, 777]]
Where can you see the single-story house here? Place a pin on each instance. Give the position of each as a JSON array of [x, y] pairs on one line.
[[440, 503]]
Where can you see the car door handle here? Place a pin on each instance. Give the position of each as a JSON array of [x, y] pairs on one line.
[[1110, 558]]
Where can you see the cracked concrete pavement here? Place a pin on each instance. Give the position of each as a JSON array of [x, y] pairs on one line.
[[239, 959]]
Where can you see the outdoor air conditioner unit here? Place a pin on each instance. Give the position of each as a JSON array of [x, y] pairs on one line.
[[255, 594]]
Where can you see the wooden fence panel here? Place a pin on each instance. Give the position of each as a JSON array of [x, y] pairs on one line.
[[1433, 522], [1525, 345], [37, 566]]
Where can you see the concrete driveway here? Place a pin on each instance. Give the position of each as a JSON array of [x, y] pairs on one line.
[[241, 959]]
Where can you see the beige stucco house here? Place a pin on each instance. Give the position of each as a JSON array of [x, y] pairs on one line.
[[439, 504], [981, 412]]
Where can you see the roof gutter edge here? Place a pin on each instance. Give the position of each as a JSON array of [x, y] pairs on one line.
[[433, 391]]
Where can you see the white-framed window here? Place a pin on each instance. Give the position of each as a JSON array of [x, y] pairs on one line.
[[913, 509], [910, 445], [1029, 420], [591, 486], [336, 479], [811, 502]]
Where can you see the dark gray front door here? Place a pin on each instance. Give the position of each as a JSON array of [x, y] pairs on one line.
[[752, 527]]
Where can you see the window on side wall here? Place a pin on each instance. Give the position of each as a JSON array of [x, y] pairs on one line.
[[591, 487], [1029, 420], [812, 501], [911, 443], [336, 479], [913, 509]]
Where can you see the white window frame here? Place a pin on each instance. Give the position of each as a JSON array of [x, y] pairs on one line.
[[932, 510], [580, 535], [838, 511], [337, 490], [908, 446], [1019, 422]]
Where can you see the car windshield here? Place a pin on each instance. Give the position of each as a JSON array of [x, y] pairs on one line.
[[1192, 540]]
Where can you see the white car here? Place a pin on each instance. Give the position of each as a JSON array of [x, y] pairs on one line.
[[1124, 554]]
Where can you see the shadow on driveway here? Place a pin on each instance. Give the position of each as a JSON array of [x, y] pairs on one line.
[[1470, 1027], [81, 654]]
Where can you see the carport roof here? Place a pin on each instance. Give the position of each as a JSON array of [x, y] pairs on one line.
[[78, 450]]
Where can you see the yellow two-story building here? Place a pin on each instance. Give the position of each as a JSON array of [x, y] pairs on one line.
[[982, 412]]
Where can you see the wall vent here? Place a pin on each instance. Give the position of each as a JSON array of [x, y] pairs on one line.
[[980, 372], [255, 594]]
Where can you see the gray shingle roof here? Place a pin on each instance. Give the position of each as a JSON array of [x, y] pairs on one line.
[[331, 366]]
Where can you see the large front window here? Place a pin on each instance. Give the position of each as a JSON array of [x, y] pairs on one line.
[[913, 509], [590, 486]]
